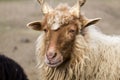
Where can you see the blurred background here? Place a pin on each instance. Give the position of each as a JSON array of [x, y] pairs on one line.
[[18, 42]]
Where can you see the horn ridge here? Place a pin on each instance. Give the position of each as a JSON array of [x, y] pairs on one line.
[[82, 2], [40, 1], [45, 7]]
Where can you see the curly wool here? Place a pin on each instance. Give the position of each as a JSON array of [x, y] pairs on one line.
[[95, 57]]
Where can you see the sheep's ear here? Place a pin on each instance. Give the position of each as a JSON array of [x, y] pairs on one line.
[[36, 25], [89, 22]]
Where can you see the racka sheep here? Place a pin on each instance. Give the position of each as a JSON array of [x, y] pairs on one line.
[[71, 48]]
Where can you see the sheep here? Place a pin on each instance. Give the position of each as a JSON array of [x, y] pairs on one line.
[[10, 70], [72, 48]]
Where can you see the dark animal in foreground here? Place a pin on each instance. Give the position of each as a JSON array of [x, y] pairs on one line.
[[10, 70]]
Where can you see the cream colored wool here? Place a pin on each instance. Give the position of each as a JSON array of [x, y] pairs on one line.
[[96, 57]]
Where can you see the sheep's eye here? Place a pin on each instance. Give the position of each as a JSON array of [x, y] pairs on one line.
[[72, 31], [45, 30]]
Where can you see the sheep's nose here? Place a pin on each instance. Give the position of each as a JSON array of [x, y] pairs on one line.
[[51, 54]]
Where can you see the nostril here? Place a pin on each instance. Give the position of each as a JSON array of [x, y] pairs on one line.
[[51, 55], [55, 54]]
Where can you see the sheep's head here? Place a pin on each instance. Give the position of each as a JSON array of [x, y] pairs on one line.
[[61, 26]]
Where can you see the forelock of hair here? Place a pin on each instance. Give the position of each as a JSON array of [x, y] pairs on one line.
[[60, 16]]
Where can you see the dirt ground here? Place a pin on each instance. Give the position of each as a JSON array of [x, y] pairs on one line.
[[18, 42]]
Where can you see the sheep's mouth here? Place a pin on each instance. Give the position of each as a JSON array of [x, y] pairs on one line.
[[54, 63]]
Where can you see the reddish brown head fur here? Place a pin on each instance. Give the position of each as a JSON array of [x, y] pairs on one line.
[[60, 43]]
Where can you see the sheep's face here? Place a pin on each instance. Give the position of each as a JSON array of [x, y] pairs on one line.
[[59, 44], [61, 27]]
